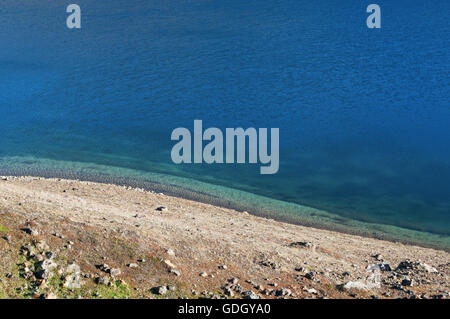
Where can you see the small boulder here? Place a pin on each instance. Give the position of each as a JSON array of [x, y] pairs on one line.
[[31, 231], [161, 290], [250, 295], [354, 285], [303, 244], [45, 268], [42, 245], [170, 252], [103, 280], [73, 279], [175, 272], [115, 272], [407, 282], [169, 263], [283, 292]]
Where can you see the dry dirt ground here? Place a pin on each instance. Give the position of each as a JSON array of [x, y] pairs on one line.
[[73, 239]]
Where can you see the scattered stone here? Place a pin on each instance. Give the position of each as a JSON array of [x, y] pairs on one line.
[[408, 265], [385, 267], [169, 263], [45, 268], [103, 280], [170, 252], [132, 265], [268, 263], [440, 296], [42, 245], [311, 275], [283, 292], [162, 209], [175, 272], [354, 285], [171, 288], [161, 290], [31, 231], [50, 254], [378, 257], [115, 272], [7, 237], [259, 287], [303, 244], [224, 267], [49, 296], [142, 260], [269, 292], [104, 268], [28, 250], [250, 295], [238, 288], [73, 279], [27, 273], [233, 281], [228, 292], [381, 267], [407, 282], [311, 291], [203, 274]]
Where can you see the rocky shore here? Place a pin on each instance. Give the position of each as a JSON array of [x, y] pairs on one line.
[[73, 239]]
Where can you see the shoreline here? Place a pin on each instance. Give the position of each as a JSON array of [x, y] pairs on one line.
[[270, 208], [196, 246]]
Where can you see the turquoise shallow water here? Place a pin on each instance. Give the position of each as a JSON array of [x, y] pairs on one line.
[[363, 114]]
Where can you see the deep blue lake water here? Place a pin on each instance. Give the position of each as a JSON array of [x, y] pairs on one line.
[[364, 114]]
